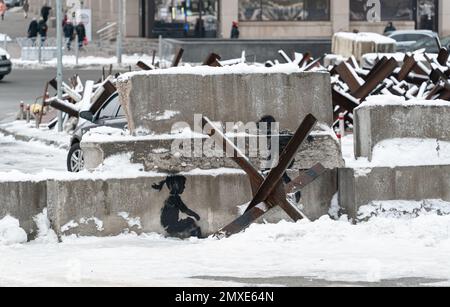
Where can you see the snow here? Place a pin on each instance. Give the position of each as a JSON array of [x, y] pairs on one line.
[[45, 233], [381, 248], [168, 114], [69, 61], [30, 157], [131, 221], [241, 68], [10, 232], [397, 153], [392, 100], [365, 37], [21, 128]]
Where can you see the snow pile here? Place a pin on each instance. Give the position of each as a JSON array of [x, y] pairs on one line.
[[403, 209], [399, 152], [392, 100], [10, 232], [45, 233], [365, 37]]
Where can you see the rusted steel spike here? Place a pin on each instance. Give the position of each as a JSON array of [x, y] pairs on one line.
[[342, 101], [41, 113], [305, 178], [242, 222], [286, 158], [53, 83], [109, 89], [305, 59], [381, 62], [177, 58], [143, 66], [443, 57], [278, 198], [408, 65], [374, 80], [212, 60], [345, 73]]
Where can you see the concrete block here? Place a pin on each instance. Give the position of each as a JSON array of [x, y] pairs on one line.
[[98, 207], [156, 154], [23, 200], [359, 187], [375, 123], [225, 97]]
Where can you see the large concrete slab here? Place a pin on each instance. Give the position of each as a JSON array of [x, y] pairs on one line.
[[156, 101], [359, 187], [375, 123], [163, 154], [97, 207]]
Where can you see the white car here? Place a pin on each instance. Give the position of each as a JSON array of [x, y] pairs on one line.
[[5, 63], [406, 38]]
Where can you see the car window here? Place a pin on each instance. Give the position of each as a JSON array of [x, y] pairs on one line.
[[414, 37], [109, 110], [120, 112]]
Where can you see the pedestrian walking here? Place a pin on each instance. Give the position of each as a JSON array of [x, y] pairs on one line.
[[69, 31], [45, 12], [81, 34], [33, 30], [235, 30], [42, 29], [3, 9], [26, 8]]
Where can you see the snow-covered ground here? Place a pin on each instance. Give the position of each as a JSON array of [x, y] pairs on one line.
[[383, 248], [30, 157]]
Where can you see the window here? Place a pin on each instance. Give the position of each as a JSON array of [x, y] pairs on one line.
[[284, 10], [390, 10], [110, 109]]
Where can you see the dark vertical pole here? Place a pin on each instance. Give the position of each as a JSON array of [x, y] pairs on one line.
[[200, 10]]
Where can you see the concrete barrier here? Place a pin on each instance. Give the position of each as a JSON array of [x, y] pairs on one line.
[[157, 153], [110, 207], [23, 200], [375, 123], [157, 100], [359, 187]]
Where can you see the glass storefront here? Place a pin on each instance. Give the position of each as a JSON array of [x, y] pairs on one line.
[[187, 18], [422, 12], [284, 10]]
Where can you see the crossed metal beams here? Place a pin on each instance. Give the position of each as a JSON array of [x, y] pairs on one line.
[[268, 192]]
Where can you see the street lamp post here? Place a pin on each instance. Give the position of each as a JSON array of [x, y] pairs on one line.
[[59, 43], [120, 32]]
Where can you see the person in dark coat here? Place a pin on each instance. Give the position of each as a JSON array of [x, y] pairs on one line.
[[42, 29], [390, 28], [69, 31], [45, 12], [235, 30], [33, 30], [81, 34]]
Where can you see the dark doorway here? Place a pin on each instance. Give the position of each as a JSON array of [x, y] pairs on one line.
[[426, 13]]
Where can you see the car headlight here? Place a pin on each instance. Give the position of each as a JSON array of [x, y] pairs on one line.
[[8, 57]]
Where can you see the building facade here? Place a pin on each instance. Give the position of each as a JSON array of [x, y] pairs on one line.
[[265, 19]]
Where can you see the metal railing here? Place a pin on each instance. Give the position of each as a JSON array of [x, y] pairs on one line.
[[108, 33]]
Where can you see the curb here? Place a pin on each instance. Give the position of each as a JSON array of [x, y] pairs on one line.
[[26, 138]]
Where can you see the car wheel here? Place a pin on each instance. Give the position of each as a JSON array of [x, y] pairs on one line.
[[75, 159], [1, 78]]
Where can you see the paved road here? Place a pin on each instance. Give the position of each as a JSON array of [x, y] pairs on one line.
[[26, 85]]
